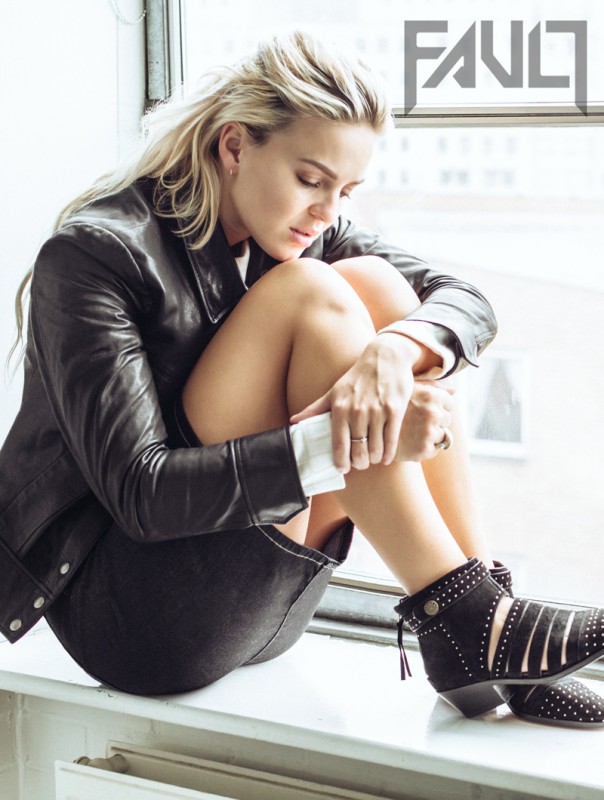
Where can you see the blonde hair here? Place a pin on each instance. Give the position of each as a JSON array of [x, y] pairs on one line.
[[289, 77]]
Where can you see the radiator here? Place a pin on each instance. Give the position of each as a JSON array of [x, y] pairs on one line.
[[136, 773]]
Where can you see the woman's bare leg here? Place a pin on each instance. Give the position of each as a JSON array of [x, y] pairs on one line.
[[300, 319], [388, 298], [449, 478], [290, 338], [298, 330]]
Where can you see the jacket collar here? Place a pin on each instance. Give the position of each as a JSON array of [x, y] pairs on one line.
[[215, 269], [217, 274]]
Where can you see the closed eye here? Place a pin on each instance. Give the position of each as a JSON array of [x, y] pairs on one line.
[[317, 185], [311, 184]]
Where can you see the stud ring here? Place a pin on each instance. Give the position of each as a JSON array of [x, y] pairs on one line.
[[361, 439]]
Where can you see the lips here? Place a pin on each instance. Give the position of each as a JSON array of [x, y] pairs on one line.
[[303, 237]]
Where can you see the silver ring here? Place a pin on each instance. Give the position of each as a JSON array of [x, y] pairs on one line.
[[362, 439], [446, 442]]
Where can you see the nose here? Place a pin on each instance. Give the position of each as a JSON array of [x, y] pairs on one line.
[[327, 209]]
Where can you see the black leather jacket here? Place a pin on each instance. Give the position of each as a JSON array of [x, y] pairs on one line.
[[120, 311]]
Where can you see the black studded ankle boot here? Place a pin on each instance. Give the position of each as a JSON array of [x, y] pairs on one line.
[[565, 702], [453, 618]]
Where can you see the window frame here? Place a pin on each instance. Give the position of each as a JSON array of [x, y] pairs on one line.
[[165, 47]]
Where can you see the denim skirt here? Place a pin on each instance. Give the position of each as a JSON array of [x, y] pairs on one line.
[[177, 615]]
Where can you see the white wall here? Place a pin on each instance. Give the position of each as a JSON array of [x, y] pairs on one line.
[[72, 94]]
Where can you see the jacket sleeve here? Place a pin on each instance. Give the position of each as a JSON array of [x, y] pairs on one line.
[[458, 308], [84, 312]]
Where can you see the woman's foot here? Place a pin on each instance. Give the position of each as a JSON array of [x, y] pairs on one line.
[[504, 606], [565, 702], [468, 648], [499, 617]]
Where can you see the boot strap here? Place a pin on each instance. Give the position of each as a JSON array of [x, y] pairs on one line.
[[501, 575], [424, 606]]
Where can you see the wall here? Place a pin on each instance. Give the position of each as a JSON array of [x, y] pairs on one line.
[[8, 763], [73, 91]]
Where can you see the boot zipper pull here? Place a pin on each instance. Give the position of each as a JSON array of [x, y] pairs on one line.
[[405, 669]]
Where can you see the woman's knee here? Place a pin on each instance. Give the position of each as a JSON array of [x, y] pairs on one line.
[[308, 284], [382, 288]]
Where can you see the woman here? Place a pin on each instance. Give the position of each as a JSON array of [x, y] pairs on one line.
[[222, 375]]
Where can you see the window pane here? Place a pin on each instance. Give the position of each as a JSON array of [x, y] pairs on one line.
[[219, 31], [527, 227], [518, 212]]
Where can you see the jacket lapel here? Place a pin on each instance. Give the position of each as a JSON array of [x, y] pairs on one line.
[[216, 274]]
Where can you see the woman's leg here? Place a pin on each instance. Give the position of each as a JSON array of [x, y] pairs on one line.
[[388, 298], [451, 485], [295, 333], [296, 330], [289, 339]]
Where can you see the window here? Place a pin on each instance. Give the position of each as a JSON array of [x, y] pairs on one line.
[[531, 404], [506, 190]]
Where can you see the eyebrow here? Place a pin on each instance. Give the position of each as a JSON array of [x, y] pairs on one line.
[[326, 170]]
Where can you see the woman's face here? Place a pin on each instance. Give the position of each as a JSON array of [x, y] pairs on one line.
[[287, 191]]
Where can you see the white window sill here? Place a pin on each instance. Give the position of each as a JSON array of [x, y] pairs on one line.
[[342, 701]]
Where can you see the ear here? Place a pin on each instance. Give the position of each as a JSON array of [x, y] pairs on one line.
[[230, 144]]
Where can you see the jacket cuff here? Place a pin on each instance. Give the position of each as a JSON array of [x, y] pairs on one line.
[[462, 344], [268, 476], [23, 600]]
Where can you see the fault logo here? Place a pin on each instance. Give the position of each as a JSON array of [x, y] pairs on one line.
[[463, 57]]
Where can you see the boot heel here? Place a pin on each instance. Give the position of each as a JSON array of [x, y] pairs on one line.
[[473, 700]]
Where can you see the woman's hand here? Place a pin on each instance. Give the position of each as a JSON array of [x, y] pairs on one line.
[[428, 414], [379, 398]]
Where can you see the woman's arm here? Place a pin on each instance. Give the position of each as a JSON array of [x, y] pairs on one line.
[[464, 319], [87, 296], [375, 393]]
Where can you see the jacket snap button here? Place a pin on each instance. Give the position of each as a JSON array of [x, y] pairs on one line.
[[431, 608], [15, 625], [64, 568], [39, 602]]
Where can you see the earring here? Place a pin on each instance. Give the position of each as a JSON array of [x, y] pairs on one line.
[[231, 172]]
